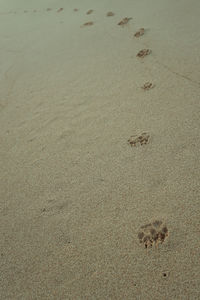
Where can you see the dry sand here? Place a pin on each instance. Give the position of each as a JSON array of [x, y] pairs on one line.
[[73, 192]]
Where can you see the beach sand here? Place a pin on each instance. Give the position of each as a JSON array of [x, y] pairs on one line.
[[73, 191]]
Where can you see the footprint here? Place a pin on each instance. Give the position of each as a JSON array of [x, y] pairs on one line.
[[153, 233], [141, 139], [139, 33], [53, 210], [124, 21], [147, 86], [87, 24], [144, 52], [110, 14], [60, 9], [89, 12]]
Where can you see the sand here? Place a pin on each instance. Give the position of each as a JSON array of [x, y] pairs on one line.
[[73, 192]]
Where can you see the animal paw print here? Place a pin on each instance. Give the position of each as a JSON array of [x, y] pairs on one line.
[[147, 86], [124, 21], [141, 139], [87, 24], [144, 52], [139, 33], [110, 14], [89, 12], [153, 233]]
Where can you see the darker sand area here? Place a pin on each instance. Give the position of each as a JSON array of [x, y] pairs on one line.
[[99, 131]]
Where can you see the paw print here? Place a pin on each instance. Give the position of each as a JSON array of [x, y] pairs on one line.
[[147, 86], [141, 139], [139, 33], [144, 52], [153, 233]]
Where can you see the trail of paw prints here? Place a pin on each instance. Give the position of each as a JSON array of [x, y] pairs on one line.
[[35, 10], [122, 23], [91, 11], [138, 34], [27, 11], [154, 233], [142, 54]]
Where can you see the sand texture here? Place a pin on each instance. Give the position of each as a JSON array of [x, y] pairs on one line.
[[99, 144]]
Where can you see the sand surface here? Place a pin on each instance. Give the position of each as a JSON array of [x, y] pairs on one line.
[[73, 192]]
